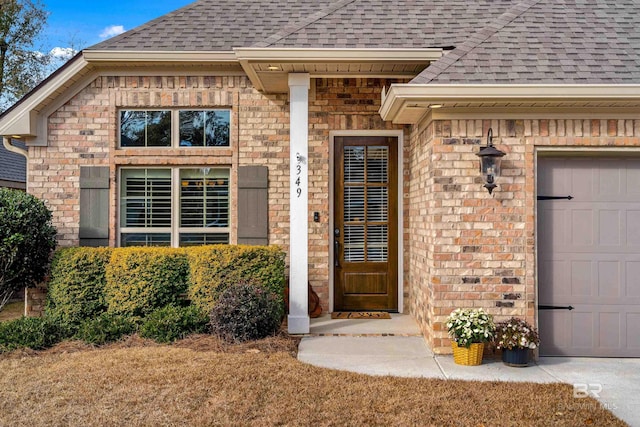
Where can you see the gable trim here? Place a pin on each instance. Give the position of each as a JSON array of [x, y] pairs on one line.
[[408, 103]]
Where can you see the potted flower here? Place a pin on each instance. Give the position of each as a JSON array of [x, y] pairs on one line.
[[469, 329], [516, 338]]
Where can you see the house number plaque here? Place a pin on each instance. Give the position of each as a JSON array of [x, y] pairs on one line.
[[298, 182]]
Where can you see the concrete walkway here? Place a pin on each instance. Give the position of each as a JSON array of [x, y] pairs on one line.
[[398, 349]]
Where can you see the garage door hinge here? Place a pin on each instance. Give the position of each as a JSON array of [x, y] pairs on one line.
[[555, 307], [554, 197]]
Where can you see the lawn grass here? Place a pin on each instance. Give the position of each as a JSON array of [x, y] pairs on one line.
[[12, 310], [201, 382]]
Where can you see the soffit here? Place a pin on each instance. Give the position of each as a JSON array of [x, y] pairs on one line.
[[268, 68], [409, 103]]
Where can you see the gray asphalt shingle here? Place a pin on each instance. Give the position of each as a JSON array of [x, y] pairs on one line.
[[550, 41], [13, 167], [214, 25], [496, 41]]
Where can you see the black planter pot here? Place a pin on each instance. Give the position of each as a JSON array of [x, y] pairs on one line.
[[518, 357]]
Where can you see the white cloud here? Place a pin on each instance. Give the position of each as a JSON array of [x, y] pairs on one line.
[[62, 52], [112, 30]]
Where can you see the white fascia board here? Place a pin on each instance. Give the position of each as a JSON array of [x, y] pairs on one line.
[[110, 56], [336, 55], [21, 121], [401, 96]]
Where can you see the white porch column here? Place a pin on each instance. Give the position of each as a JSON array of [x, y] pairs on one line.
[[298, 319]]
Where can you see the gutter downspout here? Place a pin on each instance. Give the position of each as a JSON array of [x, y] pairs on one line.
[[7, 144]]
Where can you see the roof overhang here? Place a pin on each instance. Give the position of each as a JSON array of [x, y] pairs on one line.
[[409, 103], [155, 57], [268, 67], [21, 120]]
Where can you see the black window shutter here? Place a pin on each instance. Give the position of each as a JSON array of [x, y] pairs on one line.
[[94, 206], [253, 205]]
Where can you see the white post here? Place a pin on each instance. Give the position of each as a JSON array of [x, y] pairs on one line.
[[298, 319]]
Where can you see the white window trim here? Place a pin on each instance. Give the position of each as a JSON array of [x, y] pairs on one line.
[[175, 228], [175, 128]]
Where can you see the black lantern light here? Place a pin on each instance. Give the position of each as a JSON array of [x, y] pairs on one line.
[[490, 158]]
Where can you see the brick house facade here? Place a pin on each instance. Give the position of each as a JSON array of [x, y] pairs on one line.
[[295, 95]]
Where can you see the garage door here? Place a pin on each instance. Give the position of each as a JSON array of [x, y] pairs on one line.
[[589, 257]]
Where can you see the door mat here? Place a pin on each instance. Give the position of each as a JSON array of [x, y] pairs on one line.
[[360, 315]]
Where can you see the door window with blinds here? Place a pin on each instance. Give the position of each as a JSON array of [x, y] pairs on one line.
[[174, 206], [366, 206]]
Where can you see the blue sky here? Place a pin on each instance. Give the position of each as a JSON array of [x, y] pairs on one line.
[[86, 23]]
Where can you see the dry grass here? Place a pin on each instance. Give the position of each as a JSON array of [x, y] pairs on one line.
[[201, 381], [12, 310]]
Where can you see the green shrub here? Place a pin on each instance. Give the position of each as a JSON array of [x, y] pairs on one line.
[[140, 280], [105, 328], [170, 323], [246, 312], [76, 288], [215, 268], [31, 332], [27, 239]]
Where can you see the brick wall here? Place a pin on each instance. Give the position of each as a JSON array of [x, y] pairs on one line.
[[337, 104], [470, 249], [84, 132]]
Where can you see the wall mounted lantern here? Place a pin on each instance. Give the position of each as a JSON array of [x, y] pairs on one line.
[[490, 158]]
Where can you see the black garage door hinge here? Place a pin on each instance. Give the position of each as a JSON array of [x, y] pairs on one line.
[[555, 307], [554, 197]]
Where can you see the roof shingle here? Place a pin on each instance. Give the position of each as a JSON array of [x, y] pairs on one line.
[[549, 41], [13, 167]]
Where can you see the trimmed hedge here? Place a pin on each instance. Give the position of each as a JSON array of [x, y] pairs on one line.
[[106, 328], [36, 333], [140, 280], [76, 288], [170, 323], [215, 268], [246, 312]]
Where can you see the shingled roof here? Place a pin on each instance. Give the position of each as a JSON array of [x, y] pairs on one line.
[[495, 41], [13, 167], [214, 25], [549, 41], [222, 25]]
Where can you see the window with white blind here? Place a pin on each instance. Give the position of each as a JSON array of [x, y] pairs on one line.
[[175, 128], [174, 206], [366, 203]]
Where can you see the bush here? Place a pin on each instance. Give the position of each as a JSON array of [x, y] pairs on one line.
[[170, 323], [31, 332], [140, 280], [27, 239], [76, 288], [105, 328], [246, 312], [215, 268]]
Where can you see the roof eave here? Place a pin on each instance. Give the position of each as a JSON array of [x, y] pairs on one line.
[[20, 120], [387, 63], [408, 103], [127, 56]]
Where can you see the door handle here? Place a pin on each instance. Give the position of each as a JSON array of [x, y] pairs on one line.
[[336, 247]]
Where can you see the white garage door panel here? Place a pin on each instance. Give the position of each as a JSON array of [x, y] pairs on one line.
[[589, 257]]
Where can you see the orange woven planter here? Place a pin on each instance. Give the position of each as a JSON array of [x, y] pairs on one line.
[[471, 356]]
